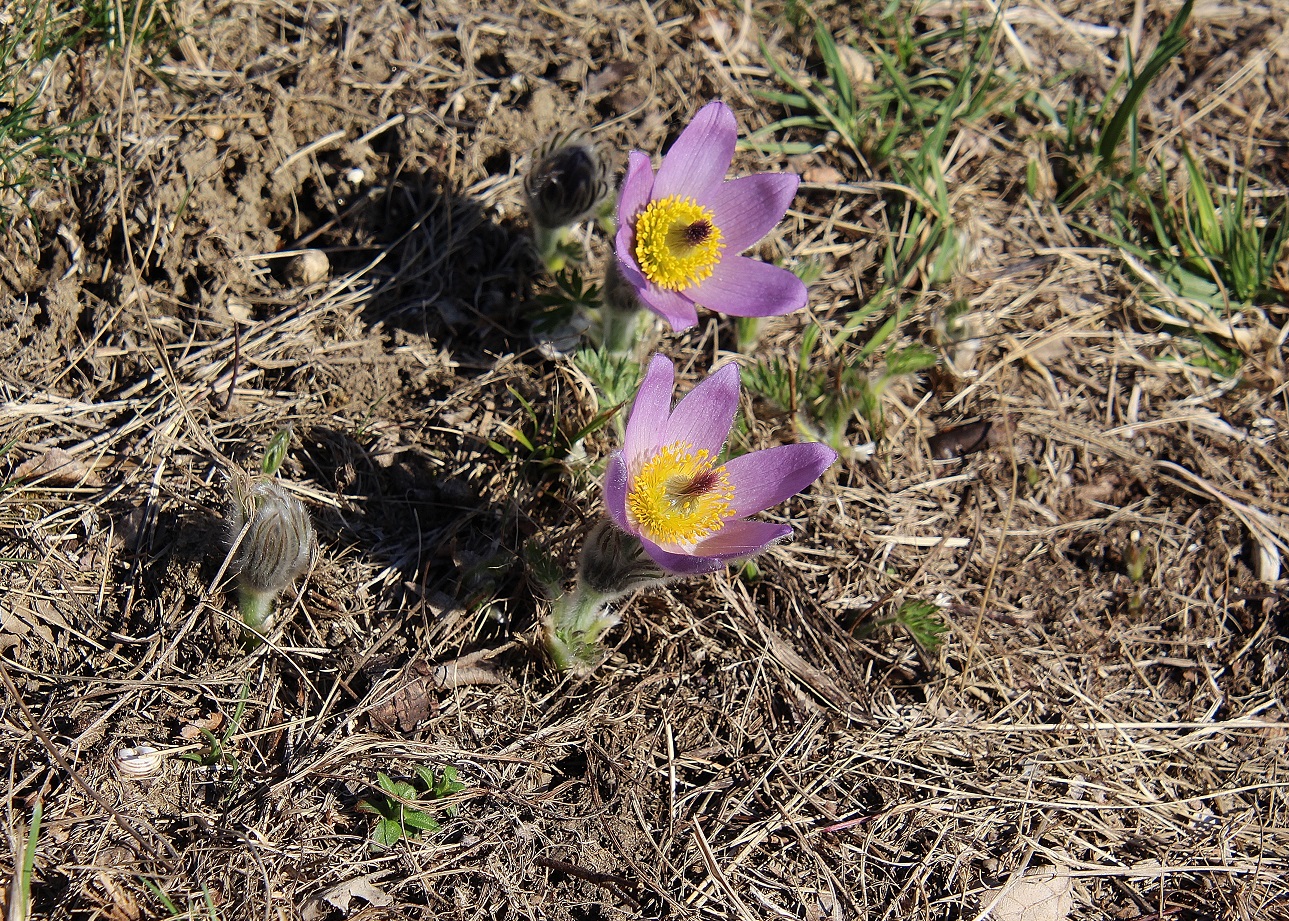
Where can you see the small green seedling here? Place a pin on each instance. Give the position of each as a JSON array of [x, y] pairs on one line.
[[924, 621], [398, 807], [572, 291], [275, 451], [1136, 565], [615, 378], [563, 311], [217, 750], [544, 570]]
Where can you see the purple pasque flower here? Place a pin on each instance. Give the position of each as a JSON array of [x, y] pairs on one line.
[[666, 487], [680, 231]]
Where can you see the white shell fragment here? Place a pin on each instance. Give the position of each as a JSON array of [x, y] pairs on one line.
[[308, 268], [139, 762]]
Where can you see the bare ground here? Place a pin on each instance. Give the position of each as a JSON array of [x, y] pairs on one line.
[[749, 748]]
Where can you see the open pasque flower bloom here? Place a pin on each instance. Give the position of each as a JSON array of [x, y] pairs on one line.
[[667, 488], [680, 231]]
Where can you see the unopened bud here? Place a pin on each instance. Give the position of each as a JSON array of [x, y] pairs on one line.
[[568, 180], [613, 562], [273, 540]]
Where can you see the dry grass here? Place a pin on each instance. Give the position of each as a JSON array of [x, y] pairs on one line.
[[750, 748]]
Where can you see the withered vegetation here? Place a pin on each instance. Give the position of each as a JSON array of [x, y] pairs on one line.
[[1109, 698]]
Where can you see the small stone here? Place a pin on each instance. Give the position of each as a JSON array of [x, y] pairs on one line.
[[859, 69], [711, 26], [824, 175], [213, 131], [308, 268]]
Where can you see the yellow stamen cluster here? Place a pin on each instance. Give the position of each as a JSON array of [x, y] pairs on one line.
[[677, 242], [679, 498]]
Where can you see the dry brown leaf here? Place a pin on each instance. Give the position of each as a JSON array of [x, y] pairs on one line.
[[711, 26], [825, 175], [1039, 895], [415, 699], [191, 730], [57, 468], [342, 895], [12, 629], [859, 69], [22, 614], [123, 905], [610, 76], [956, 442]]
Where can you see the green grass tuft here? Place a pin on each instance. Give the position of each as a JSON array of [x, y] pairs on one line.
[[34, 145]]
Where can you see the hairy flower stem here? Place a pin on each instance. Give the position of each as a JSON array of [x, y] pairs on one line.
[[621, 314], [256, 608], [574, 627], [549, 242], [619, 329], [611, 564]]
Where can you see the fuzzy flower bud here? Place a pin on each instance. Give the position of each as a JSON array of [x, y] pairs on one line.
[[272, 540], [613, 562], [568, 181]]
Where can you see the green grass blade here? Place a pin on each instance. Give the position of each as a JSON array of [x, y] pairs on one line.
[[1209, 231], [161, 897], [29, 861], [791, 100], [836, 70], [1170, 45]]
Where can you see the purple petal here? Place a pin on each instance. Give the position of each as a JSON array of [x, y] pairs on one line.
[[765, 478], [636, 187], [624, 250], [615, 491], [704, 417], [701, 156], [681, 564], [672, 306], [742, 538], [743, 287], [747, 209], [647, 424], [627, 262]]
